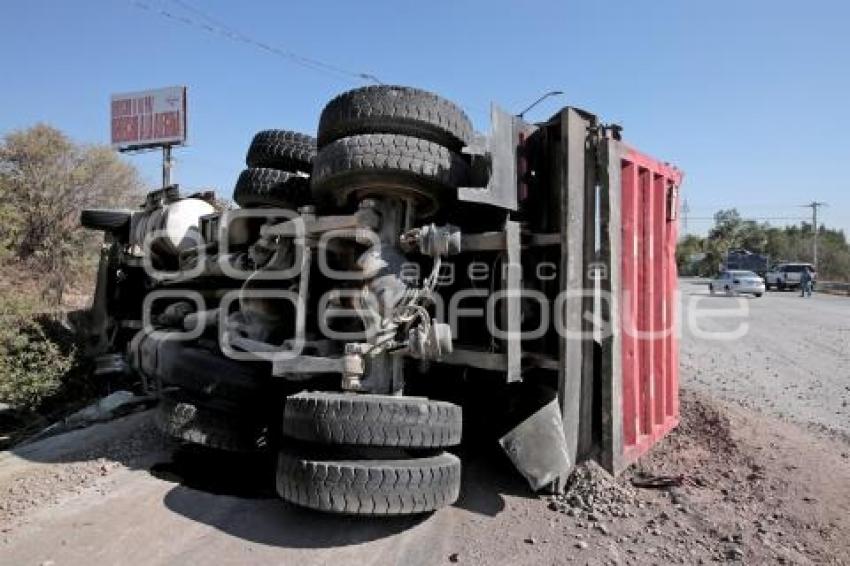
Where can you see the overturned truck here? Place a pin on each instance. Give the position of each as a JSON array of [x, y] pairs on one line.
[[395, 282]]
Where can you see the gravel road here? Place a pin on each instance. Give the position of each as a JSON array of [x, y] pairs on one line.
[[792, 362]]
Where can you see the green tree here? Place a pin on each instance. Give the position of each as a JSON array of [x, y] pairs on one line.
[[789, 243]]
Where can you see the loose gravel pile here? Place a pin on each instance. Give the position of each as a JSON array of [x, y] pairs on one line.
[[593, 491]]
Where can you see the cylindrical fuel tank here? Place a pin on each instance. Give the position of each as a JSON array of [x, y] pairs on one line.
[[175, 226]]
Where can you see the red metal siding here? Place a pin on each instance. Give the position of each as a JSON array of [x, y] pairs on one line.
[[650, 359]]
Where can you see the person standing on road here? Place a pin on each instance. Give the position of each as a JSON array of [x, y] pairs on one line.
[[805, 283]]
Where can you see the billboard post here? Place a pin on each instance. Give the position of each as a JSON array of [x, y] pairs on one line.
[[166, 165], [150, 119]]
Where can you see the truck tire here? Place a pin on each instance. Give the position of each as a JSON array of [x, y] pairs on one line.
[[184, 419], [395, 110], [372, 420], [107, 220], [388, 164], [282, 149], [260, 187], [204, 374], [369, 487]]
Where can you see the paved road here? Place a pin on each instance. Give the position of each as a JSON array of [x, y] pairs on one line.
[[793, 360], [141, 519], [186, 507]]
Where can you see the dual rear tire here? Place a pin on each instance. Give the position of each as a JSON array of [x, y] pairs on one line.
[[372, 141], [278, 174], [369, 454], [391, 141]]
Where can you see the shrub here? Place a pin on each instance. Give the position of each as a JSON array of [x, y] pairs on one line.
[[31, 364]]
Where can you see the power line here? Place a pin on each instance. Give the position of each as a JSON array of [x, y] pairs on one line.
[[213, 26]]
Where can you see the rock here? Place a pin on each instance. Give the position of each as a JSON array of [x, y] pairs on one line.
[[602, 528], [530, 540], [581, 544], [453, 557]]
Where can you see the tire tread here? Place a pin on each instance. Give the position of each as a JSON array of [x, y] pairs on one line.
[[281, 149], [395, 110], [258, 186], [372, 420], [370, 487], [361, 161]]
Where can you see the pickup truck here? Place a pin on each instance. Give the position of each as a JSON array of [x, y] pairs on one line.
[[787, 276]]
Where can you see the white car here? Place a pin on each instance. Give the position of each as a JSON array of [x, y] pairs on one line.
[[737, 282]]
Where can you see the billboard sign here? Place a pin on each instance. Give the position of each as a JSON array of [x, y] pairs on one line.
[[149, 118]]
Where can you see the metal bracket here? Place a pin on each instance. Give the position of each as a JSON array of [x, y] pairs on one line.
[[501, 146]]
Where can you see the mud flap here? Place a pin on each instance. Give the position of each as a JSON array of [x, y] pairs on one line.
[[538, 447]]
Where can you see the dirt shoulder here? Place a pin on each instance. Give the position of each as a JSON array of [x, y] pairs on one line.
[[59, 468], [746, 488]]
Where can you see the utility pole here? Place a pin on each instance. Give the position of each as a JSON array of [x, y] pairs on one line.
[[815, 205], [685, 210]]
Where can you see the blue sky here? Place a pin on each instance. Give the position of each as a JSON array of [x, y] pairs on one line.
[[749, 98]]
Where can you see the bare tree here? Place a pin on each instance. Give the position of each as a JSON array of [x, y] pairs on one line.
[[45, 181]]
